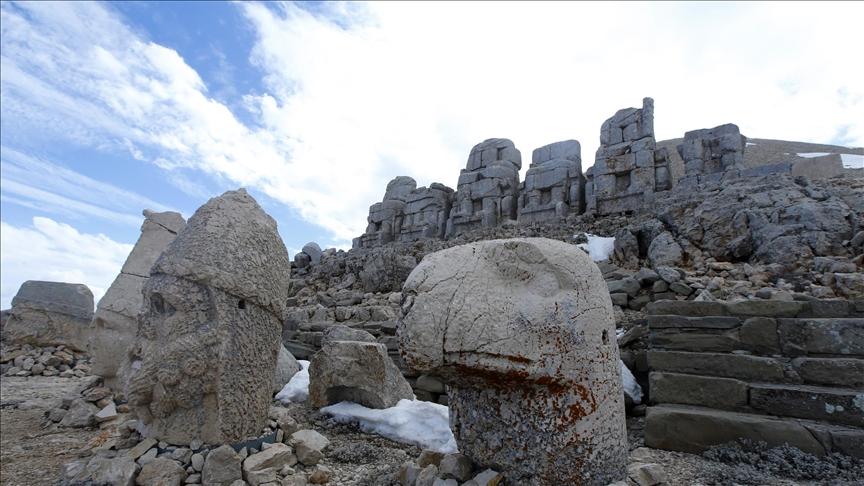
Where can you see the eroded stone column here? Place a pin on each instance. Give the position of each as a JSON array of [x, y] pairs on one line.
[[523, 334]]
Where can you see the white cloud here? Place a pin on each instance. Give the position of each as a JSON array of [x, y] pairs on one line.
[[358, 93], [51, 188], [57, 252]]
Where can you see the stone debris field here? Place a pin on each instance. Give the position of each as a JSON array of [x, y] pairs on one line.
[[468, 338]]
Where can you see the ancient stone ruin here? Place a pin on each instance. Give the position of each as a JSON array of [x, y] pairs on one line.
[[554, 184], [202, 366], [51, 314], [488, 187], [115, 323], [628, 169], [712, 150], [522, 332]]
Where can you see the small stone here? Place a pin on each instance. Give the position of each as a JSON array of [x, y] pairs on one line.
[[142, 447], [262, 476], [455, 466], [193, 479], [147, 457], [221, 467], [321, 475], [197, 462], [429, 456], [161, 472], [646, 474], [182, 454], [107, 413]]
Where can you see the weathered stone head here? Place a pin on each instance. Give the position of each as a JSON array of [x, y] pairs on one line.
[[203, 363], [523, 334]]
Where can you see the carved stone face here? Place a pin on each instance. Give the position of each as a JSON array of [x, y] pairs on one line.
[[173, 358]]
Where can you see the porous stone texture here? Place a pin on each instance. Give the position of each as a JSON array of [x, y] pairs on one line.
[[115, 322], [628, 169], [554, 184], [50, 314], [204, 361], [522, 332], [359, 372], [712, 150], [488, 189]]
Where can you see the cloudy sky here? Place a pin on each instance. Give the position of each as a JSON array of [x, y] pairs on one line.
[[111, 108]]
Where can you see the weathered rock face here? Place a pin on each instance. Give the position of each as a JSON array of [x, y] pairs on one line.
[[203, 363], [554, 184], [488, 189], [522, 331], [50, 314], [115, 323], [359, 372], [286, 368], [386, 218], [628, 169], [712, 150]]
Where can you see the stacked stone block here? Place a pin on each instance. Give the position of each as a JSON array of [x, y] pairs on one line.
[[426, 212], [386, 217], [488, 189], [628, 168], [554, 184], [772, 371], [712, 150]]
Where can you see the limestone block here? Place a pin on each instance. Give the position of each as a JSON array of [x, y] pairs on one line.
[[761, 333], [840, 337], [276, 455], [204, 361], [221, 467], [681, 339], [831, 371], [765, 308], [357, 372], [703, 391], [50, 314], [531, 362], [709, 322], [743, 367], [687, 308], [834, 405], [692, 430], [161, 471]]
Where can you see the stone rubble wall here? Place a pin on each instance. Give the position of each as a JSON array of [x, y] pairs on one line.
[[773, 371]]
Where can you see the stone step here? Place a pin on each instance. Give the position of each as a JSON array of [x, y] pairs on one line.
[[839, 337], [744, 367], [833, 405], [705, 391]]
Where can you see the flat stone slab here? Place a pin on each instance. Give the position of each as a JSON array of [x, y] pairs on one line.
[[831, 371], [705, 391], [834, 405], [838, 337], [765, 308], [710, 322], [744, 367], [687, 308], [694, 341], [694, 430]]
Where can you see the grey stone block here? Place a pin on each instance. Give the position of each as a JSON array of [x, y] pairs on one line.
[[831, 371], [765, 308], [839, 337], [744, 367], [761, 334], [834, 405], [826, 308], [688, 308], [692, 341], [694, 430], [848, 441], [710, 322], [704, 391]]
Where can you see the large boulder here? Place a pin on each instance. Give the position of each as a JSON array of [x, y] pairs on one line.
[[204, 361], [50, 314], [358, 372], [115, 322], [522, 331]]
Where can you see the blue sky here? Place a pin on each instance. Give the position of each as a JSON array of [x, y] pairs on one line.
[[112, 108]]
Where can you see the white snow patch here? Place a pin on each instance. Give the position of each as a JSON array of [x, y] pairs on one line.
[[424, 424], [811, 155], [749, 144], [630, 386], [297, 388], [598, 247], [619, 333], [851, 161]]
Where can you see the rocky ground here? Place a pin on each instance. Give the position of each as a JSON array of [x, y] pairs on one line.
[[34, 450]]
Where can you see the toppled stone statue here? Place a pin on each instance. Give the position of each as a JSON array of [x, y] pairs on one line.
[[522, 331], [554, 184], [203, 363], [488, 189], [115, 323], [712, 150], [50, 314], [627, 169]]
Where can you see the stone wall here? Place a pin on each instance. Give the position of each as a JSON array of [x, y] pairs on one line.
[[772, 371], [712, 150], [554, 184]]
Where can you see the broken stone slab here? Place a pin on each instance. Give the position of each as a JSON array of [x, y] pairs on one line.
[[547, 308], [114, 324], [203, 363], [742, 367], [221, 467], [120, 470], [831, 371], [357, 372], [309, 446], [833, 405], [839, 337], [694, 430], [278, 455], [705, 391], [487, 478], [109, 412], [80, 414], [50, 314]]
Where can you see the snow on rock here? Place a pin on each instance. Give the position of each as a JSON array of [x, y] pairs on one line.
[[424, 424], [630, 386], [297, 389], [811, 155], [598, 247], [851, 161]]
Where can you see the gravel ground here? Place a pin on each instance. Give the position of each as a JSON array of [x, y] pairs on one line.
[[34, 453]]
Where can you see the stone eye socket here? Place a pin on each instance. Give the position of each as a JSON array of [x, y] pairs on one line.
[[605, 337], [241, 304]]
